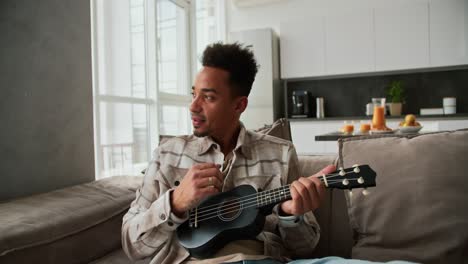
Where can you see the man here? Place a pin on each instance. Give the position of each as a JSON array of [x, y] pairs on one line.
[[221, 155]]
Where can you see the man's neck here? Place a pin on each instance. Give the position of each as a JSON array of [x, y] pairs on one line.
[[229, 140]]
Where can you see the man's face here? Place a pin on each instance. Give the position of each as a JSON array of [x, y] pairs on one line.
[[214, 109]]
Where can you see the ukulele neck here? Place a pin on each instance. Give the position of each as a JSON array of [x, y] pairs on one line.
[[277, 195]]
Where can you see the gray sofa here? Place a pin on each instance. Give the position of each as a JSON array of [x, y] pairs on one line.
[[81, 224], [406, 216]]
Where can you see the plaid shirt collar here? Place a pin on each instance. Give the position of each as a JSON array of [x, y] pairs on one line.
[[243, 143]]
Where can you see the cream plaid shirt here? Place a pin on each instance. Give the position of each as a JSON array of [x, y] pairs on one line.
[[262, 161]]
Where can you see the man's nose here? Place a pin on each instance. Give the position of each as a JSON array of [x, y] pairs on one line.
[[195, 105]]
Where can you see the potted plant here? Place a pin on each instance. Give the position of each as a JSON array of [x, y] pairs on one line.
[[397, 96]]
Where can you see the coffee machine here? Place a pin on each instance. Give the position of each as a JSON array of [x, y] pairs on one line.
[[302, 104]]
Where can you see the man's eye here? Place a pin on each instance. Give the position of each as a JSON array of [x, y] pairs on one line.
[[207, 97], [193, 94]]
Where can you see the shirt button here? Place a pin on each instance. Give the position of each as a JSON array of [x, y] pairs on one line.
[[176, 183], [162, 216]]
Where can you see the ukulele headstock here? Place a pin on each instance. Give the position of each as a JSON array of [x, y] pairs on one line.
[[358, 176]]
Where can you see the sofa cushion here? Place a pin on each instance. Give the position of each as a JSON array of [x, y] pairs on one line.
[[70, 225], [332, 215], [417, 211], [280, 129]]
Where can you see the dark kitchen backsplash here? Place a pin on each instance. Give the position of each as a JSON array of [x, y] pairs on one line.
[[349, 96]]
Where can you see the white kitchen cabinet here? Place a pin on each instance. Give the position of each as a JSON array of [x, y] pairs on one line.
[[350, 42], [379, 37], [402, 36], [452, 124], [448, 32], [264, 42], [303, 136], [302, 45], [429, 126]]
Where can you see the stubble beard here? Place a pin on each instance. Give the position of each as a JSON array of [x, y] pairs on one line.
[[201, 133]]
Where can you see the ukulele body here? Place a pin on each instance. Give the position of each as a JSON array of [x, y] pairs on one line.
[[227, 219]]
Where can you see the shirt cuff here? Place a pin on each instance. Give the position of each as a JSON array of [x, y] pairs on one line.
[[290, 221], [176, 221], [168, 221]]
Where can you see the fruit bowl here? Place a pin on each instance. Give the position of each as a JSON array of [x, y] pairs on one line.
[[409, 129]]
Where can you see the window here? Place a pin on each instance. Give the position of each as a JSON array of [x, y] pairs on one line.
[[173, 63], [144, 60], [210, 26]]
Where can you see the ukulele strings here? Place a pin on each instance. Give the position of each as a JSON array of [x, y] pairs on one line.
[[230, 209], [262, 197], [273, 195], [233, 207], [247, 197]]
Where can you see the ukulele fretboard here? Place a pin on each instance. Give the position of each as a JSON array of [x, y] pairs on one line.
[[273, 196]]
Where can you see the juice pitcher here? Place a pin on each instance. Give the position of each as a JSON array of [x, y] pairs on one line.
[[378, 118]]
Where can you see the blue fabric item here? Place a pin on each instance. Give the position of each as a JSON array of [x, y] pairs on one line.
[[338, 260], [327, 260], [260, 261]]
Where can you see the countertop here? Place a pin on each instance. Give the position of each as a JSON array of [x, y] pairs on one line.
[[334, 136], [461, 116]]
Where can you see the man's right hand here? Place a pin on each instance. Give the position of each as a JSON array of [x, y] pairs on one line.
[[201, 180]]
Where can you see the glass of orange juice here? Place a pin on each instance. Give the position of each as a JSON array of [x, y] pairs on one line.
[[364, 126], [378, 119], [348, 127]]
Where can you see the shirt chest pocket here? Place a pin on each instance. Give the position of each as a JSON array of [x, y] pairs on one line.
[[171, 176], [262, 176]]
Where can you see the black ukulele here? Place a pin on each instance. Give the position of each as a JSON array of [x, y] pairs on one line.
[[240, 213]]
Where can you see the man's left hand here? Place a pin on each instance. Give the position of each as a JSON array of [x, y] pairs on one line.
[[306, 193]]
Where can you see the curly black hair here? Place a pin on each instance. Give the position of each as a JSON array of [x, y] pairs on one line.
[[236, 59]]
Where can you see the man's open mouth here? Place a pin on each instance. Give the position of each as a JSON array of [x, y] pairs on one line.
[[197, 121]]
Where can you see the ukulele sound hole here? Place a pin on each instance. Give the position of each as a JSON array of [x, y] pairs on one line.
[[229, 209]]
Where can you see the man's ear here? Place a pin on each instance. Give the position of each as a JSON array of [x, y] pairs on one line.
[[241, 104]]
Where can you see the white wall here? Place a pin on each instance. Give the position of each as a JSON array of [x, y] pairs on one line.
[[269, 15]]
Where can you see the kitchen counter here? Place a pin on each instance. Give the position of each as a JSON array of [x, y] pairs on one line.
[[461, 116], [304, 132], [334, 136]]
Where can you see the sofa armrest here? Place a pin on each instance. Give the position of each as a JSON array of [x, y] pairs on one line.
[[70, 225]]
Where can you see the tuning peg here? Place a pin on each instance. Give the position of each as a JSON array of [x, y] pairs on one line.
[[360, 180], [356, 170], [355, 165], [342, 172], [345, 182], [365, 192], [350, 194]]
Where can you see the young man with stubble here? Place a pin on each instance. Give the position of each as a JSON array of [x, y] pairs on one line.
[[220, 155]]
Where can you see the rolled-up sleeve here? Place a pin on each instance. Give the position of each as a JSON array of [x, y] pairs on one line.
[[300, 237], [149, 224]]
